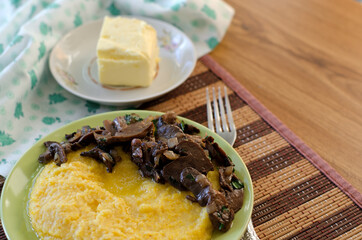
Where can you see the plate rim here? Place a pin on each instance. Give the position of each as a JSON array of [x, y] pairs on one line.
[[52, 67], [61, 130]]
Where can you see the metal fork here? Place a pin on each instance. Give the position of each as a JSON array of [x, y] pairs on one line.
[[227, 131]]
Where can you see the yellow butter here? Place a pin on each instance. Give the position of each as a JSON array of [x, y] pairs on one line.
[[127, 52], [80, 200]]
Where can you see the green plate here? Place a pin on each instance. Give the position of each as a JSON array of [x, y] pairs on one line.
[[16, 190]]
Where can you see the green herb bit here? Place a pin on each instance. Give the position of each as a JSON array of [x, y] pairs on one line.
[[182, 126], [137, 119], [132, 118], [189, 176], [224, 208], [107, 156], [155, 125], [155, 121], [221, 226], [237, 184], [127, 117]]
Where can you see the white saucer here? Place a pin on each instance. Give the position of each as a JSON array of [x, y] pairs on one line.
[[74, 66]]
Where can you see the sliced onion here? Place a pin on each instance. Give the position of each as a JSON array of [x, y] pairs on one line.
[[202, 180], [229, 170], [156, 159], [172, 142], [108, 125], [171, 155], [211, 208]]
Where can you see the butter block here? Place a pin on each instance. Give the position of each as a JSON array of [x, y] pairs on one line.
[[127, 52]]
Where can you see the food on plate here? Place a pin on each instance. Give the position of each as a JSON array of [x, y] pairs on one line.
[[105, 173], [81, 200], [127, 52]]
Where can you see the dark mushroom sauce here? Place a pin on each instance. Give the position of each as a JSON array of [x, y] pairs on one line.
[[166, 150]]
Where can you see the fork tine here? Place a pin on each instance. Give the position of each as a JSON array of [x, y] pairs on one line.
[[210, 120], [222, 113], [216, 112], [229, 112]]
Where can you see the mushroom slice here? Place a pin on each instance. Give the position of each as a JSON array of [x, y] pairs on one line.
[[135, 130], [225, 176], [220, 214], [137, 153], [109, 126], [166, 132], [169, 118], [192, 155], [216, 152], [115, 155], [101, 156], [56, 151], [75, 136], [119, 123], [232, 188], [85, 140], [201, 161], [234, 198], [45, 157]]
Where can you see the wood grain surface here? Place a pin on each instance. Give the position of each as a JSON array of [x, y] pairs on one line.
[[303, 60]]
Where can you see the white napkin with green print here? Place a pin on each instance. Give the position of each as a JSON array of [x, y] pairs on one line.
[[32, 104]]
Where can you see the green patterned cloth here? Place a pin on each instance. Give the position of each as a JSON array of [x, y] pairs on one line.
[[32, 104]]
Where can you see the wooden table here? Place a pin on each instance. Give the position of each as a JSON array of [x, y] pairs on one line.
[[303, 60]]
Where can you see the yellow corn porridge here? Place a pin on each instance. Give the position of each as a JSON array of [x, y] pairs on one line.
[[80, 200]]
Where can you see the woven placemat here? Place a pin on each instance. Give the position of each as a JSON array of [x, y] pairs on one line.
[[297, 194]]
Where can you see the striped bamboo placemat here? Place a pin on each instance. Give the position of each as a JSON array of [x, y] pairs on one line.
[[297, 194]]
